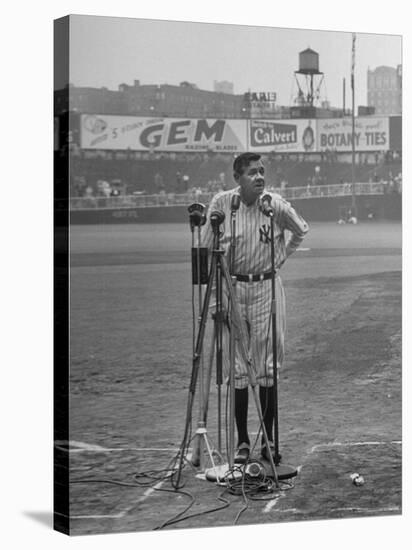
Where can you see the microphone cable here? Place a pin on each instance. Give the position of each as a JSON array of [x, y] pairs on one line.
[[177, 518]]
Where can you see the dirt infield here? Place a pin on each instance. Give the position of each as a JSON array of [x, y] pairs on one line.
[[339, 392]]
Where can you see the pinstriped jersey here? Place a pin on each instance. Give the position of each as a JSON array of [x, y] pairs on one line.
[[252, 243]]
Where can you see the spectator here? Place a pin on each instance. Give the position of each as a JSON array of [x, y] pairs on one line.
[[79, 186], [103, 188], [88, 191], [178, 183], [198, 193], [185, 183], [158, 183], [163, 197], [370, 214], [192, 193]]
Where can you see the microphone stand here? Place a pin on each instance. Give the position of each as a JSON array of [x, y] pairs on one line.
[[285, 471], [198, 449], [277, 457], [197, 219], [219, 341], [232, 350]]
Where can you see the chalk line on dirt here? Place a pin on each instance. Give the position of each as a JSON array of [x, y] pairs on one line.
[[124, 512], [81, 447], [352, 444], [95, 516], [272, 503]]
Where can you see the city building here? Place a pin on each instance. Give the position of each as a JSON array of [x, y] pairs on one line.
[[385, 90], [184, 100], [164, 100], [223, 86]]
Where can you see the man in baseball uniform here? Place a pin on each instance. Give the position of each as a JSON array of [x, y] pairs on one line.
[[252, 268]]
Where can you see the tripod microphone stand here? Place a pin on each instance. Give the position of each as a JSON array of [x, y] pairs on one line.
[[199, 276], [219, 318]]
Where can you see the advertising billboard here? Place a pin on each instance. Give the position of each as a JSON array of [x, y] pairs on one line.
[[162, 134], [371, 134], [294, 136]]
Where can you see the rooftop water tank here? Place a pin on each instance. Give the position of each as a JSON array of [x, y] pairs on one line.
[[308, 62]]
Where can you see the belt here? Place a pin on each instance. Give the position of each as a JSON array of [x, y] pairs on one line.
[[253, 278]]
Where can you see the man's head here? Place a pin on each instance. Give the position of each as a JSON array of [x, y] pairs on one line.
[[248, 172]]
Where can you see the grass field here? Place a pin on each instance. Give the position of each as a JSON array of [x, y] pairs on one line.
[[131, 360]]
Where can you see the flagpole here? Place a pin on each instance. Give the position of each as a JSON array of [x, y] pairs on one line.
[[354, 213]]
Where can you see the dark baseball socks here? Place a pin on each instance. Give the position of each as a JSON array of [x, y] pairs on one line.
[[241, 409], [241, 412]]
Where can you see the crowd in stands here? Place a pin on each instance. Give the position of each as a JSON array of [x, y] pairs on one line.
[[114, 173]]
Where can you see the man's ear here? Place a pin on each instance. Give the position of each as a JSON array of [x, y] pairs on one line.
[[236, 176]]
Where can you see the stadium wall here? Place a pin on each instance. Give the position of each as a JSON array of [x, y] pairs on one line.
[[387, 207]]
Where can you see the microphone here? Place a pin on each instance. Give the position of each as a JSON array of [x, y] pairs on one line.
[[217, 217], [197, 214], [264, 205], [235, 203], [196, 207]]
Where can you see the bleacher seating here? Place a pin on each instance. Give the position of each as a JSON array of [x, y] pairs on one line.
[[139, 174]]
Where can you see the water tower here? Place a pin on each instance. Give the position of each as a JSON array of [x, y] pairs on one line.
[[308, 78]]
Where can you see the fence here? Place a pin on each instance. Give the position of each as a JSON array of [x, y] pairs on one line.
[[173, 199]]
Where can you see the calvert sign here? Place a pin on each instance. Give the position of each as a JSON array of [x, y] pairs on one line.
[[282, 135], [371, 134], [162, 134]]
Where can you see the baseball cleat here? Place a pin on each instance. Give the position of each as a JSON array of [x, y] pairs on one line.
[[242, 454]]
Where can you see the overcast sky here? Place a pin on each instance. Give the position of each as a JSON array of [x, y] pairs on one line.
[[107, 51]]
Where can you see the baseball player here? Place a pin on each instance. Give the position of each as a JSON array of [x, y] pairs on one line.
[[252, 268]]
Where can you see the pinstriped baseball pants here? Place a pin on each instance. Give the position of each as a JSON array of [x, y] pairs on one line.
[[254, 300]]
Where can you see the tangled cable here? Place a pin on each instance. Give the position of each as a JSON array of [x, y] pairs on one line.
[[244, 480]]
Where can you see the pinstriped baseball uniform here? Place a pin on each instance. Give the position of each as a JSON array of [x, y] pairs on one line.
[[253, 257]]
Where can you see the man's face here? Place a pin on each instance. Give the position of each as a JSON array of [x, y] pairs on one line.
[[252, 181]]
